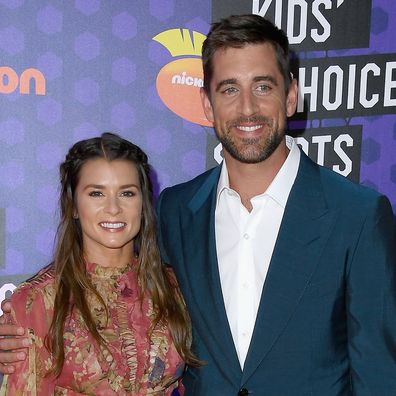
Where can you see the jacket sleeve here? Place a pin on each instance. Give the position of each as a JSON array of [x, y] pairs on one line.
[[371, 304]]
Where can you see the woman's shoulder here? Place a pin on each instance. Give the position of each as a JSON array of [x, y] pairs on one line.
[[44, 278], [41, 283], [33, 299]]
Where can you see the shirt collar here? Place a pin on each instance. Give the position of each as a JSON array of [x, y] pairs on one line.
[[282, 184]]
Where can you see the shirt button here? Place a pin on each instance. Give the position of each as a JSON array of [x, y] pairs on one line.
[[246, 236]]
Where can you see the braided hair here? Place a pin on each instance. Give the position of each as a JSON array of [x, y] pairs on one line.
[[72, 282]]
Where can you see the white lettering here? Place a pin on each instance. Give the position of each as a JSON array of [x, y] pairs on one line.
[[364, 101], [320, 38], [339, 75], [296, 39], [264, 9], [311, 90], [321, 142], [176, 79], [389, 85], [304, 18], [347, 87], [324, 149], [217, 153], [183, 79], [303, 143], [344, 138], [351, 87]]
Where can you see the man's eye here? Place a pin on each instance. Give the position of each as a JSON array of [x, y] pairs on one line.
[[263, 88], [230, 90], [95, 194]]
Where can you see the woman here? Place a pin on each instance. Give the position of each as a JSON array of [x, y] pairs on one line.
[[106, 317]]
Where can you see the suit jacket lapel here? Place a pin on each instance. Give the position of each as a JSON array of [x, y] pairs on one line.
[[206, 286], [306, 221]]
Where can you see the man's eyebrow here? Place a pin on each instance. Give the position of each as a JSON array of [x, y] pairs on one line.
[[266, 78], [228, 81], [231, 81]]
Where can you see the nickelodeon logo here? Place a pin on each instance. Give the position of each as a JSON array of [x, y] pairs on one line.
[[179, 81], [9, 81]]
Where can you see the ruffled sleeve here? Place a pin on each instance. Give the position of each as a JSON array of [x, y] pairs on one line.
[[32, 308]]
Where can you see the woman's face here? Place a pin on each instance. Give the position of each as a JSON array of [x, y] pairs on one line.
[[109, 208]]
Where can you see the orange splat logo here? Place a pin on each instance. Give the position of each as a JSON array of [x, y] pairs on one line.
[[178, 82]]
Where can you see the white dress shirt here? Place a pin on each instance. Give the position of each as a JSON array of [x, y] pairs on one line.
[[245, 242]]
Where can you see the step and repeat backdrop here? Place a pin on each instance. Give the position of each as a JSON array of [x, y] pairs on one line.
[[73, 69]]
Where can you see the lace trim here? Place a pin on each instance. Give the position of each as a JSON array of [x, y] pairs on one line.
[[128, 340]]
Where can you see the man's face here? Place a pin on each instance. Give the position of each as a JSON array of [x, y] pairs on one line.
[[248, 103]]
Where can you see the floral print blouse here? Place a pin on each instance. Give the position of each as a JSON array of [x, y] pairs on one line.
[[132, 361]]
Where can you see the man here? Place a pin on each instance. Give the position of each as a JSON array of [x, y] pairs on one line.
[[287, 269]]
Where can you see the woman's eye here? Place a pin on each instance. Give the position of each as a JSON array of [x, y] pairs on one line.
[[95, 194], [127, 194]]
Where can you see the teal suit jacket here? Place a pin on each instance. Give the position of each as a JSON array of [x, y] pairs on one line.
[[326, 323]]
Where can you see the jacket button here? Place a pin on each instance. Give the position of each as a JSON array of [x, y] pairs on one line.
[[243, 392]]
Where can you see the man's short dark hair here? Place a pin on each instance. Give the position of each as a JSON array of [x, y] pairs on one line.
[[237, 31]]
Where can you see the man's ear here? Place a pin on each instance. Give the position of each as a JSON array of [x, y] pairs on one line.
[[292, 97], [207, 105]]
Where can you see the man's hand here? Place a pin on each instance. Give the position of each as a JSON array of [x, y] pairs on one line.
[[13, 343]]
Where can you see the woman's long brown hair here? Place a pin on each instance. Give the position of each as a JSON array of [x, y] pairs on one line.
[[72, 281]]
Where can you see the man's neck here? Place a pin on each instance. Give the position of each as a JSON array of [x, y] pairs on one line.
[[249, 180]]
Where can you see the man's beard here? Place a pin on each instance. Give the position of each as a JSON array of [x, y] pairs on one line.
[[252, 150]]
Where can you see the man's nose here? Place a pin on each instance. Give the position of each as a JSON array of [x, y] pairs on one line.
[[248, 103]]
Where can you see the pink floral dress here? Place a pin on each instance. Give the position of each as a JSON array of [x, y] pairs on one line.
[[132, 362]]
